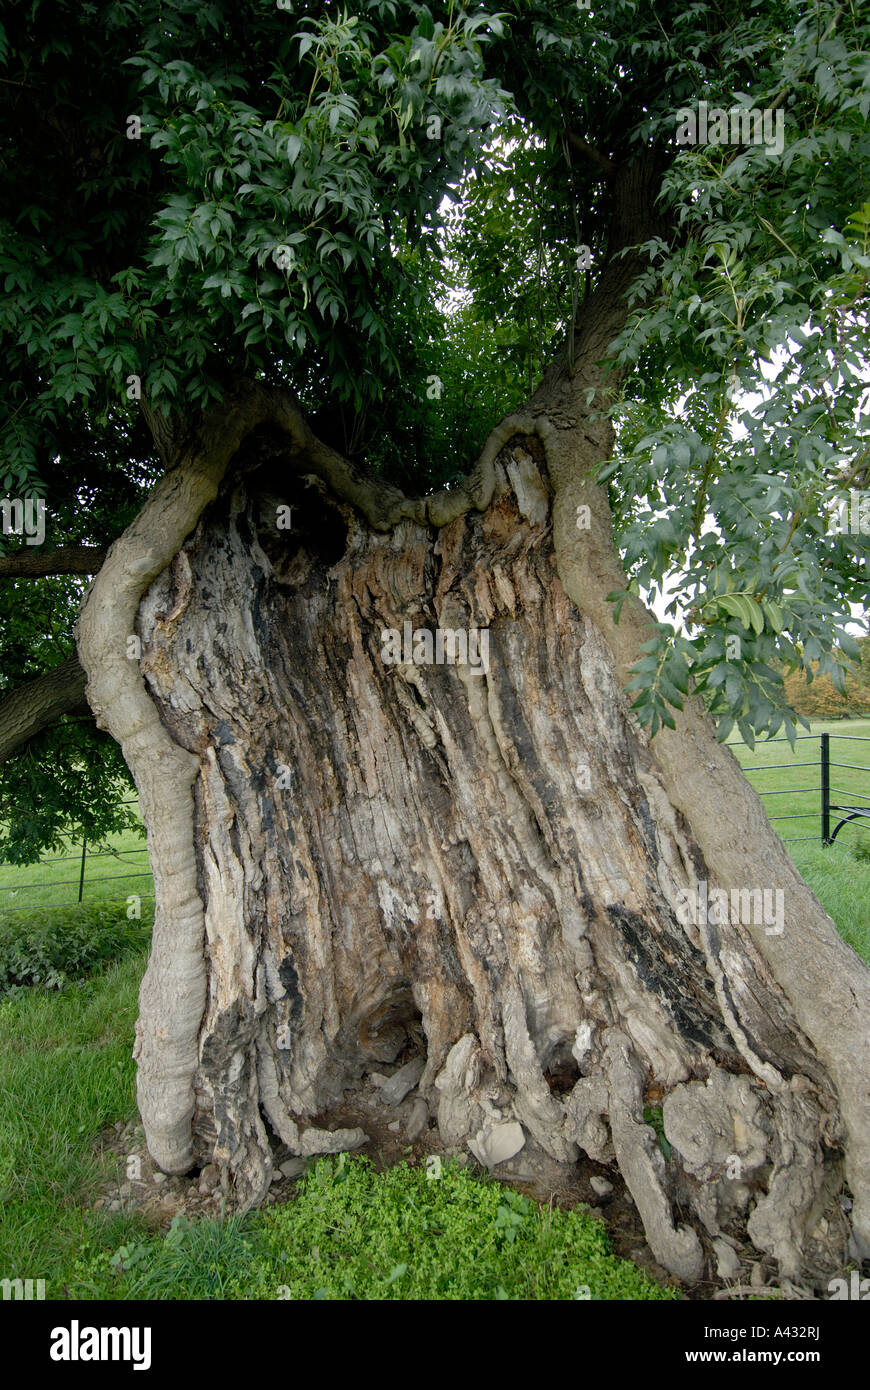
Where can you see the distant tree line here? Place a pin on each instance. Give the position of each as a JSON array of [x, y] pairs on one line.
[[819, 699]]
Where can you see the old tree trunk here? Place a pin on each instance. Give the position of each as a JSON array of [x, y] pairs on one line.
[[358, 863]]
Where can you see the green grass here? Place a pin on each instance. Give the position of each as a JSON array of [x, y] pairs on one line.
[[802, 809], [403, 1235], [352, 1233], [842, 885], [65, 1073]]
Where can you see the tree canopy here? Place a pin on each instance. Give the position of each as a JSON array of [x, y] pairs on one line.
[[399, 210]]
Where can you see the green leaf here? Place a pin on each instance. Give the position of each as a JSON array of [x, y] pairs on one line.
[[774, 615], [739, 606], [755, 614]]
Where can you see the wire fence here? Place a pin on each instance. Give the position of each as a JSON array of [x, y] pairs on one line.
[[845, 812], [81, 881]]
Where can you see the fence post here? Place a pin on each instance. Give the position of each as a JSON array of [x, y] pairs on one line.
[[82, 874], [826, 789]]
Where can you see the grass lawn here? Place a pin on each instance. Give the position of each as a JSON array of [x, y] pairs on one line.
[[66, 1074], [840, 880]]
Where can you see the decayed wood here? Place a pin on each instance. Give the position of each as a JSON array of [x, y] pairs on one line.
[[432, 855], [173, 990], [495, 857]]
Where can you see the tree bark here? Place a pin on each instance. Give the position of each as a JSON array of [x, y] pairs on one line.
[[39, 703]]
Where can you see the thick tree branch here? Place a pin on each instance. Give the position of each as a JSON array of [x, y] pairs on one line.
[[164, 430], [67, 559], [38, 703], [591, 153]]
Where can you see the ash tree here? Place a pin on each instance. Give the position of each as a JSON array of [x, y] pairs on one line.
[[394, 352]]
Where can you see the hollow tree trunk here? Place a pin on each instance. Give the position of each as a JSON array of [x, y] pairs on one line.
[[351, 855]]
